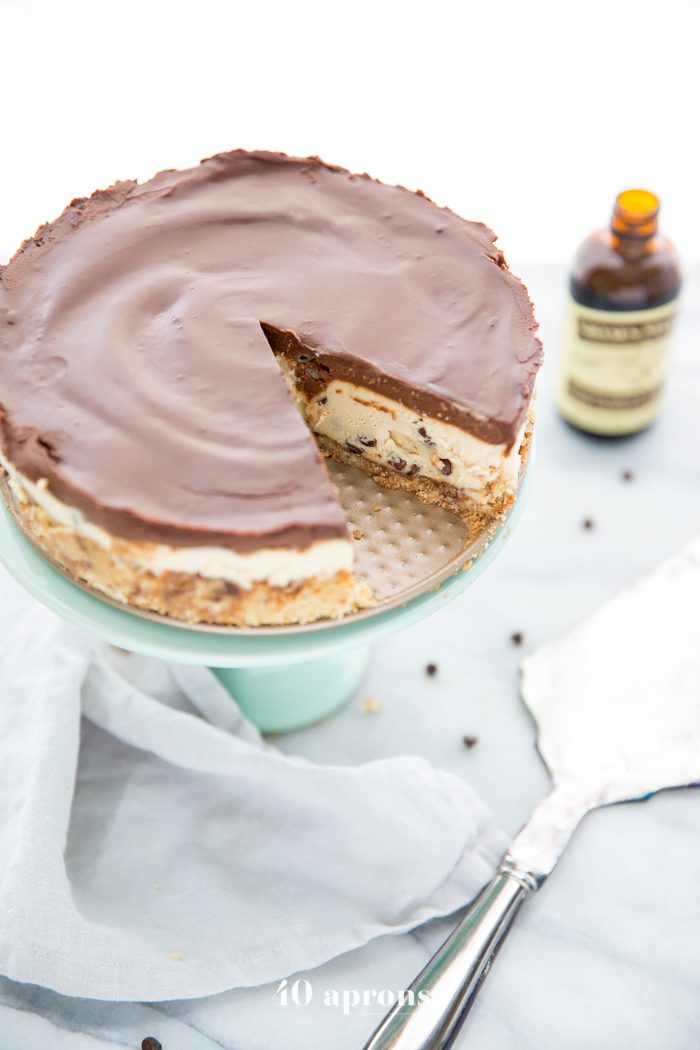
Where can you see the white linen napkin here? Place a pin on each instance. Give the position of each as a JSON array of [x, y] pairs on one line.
[[153, 846]]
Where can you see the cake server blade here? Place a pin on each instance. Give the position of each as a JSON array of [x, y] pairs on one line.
[[617, 709]]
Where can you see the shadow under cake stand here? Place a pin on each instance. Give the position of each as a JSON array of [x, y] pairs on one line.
[[413, 556]]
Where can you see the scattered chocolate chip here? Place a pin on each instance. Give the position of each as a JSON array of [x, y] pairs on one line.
[[426, 437], [431, 670], [627, 475], [322, 400], [517, 638], [303, 358], [470, 741], [151, 1043], [588, 523], [353, 448], [368, 442], [397, 463], [445, 466], [412, 470]]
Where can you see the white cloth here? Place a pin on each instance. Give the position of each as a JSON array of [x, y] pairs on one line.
[[153, 846]]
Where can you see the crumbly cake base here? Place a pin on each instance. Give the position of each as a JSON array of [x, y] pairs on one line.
[[183, 596], [198, 599], [476, 516]]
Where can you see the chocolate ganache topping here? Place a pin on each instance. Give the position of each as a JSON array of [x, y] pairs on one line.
[[136, 373]]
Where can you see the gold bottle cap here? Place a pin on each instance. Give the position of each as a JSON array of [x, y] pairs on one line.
[[635, 212]]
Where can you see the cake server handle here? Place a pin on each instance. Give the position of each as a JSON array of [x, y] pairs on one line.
[[437, 1003]]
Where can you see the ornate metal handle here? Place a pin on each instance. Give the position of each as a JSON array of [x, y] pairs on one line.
[[438, 1001]]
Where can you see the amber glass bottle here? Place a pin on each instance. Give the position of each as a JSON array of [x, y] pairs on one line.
[[623, 290]]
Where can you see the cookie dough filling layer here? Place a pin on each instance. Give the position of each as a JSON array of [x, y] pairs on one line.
[[402, 448]]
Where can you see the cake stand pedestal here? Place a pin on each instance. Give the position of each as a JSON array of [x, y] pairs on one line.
[[283, 679], [288, 697]]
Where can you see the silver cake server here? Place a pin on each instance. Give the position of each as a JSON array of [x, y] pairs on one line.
[[617, 707]]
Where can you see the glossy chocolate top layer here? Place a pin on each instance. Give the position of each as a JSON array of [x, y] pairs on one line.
[[135, 366]]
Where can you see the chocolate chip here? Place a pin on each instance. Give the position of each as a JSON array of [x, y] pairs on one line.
[[353, 448], [588, 523], [517, 638], [426, 437], [412, 470], [627, 475], [470, 741], [445, 466], [397, 463], [303, 358], [431, 670], [151, 1043], [368, 442], [321, 400]]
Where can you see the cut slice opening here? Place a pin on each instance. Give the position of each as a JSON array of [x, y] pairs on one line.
[[356, 421]]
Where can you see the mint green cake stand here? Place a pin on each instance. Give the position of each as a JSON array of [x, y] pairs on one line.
[[281, 679]]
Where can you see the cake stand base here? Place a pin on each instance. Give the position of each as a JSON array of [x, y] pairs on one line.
[[278, 699]]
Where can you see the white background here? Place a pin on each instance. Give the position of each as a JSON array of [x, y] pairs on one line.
[[528, 116]]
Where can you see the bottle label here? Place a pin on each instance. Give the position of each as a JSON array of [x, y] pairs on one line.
[[613, 366]]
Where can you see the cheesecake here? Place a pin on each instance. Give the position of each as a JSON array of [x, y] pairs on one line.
[[179, 357]]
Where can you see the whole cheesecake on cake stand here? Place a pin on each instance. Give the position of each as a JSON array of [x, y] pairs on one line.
[[178, 359]]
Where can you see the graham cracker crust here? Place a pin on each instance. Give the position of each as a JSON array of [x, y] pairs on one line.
[[183, 596], [476, 516], [116, 571]]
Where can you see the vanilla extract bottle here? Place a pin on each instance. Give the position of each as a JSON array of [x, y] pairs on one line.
[[624, 288]]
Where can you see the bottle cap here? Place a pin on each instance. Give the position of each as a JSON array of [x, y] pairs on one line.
[[635, 213]]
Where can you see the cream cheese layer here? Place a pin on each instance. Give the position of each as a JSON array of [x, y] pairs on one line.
[[276, 566], [387, 433]]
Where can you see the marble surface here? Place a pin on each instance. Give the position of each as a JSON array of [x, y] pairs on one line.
[[608, 953]]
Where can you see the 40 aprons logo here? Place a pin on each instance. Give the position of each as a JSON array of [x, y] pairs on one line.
[[301, 993]]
